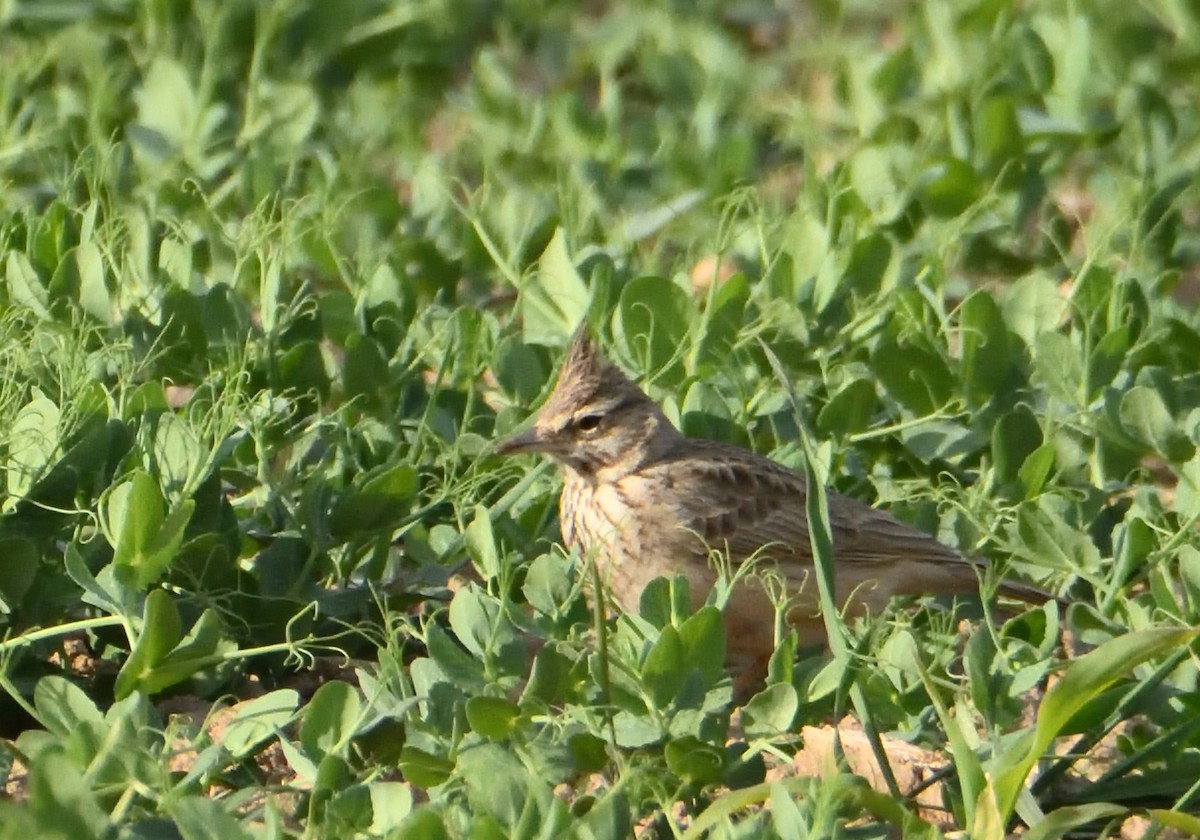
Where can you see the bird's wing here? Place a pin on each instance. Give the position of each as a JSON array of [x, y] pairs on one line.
[[746, 502]]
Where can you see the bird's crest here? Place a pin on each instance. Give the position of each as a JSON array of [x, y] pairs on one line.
[[586, 375]]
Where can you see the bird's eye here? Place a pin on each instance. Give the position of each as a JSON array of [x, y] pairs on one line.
[[588, 422]]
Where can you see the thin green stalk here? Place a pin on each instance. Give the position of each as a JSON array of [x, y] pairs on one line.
[[601, 624], [1129, 703]]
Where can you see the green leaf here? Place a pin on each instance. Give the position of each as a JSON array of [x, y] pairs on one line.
[[665, 668], [1044, 535], [463, 669], [290, 112], [178, 453], [422, 824], [654, 603], [255, 721], [870, 260], [1189, 572], [554, 300], [167, 107], [850, 410], [702, 637], [916, 377], [165, 545], [61, 799], [143, 539], [872, 174], [202, 818], [1183, 822], [589, 753], [391, 804], [86, 467], [1031, 60], [1145, 417], [382, 289], [1015, 437], [175, 261], [947, 439], [1082, 680], [782, 664], [722, 321], [998, 137], [472, 618], [304, 767], [24, 287], [1059, 366], [1036, 469], [340, 323], [333, 775], [770, 713], [693, 760], [63, 706], [550, 676], [349, 805], [1033, 306], [519, 369], [161, 629], [548, 585], [608, 818], [194, 652], [500, 786], [650, 324], [424, 769], [985, 348], [302, 369], [948, 187], [986, 686], [492, 717], [365, 368], [133, 514], [375, 503], [80, 278], [32, 443], [94, 592], [481, 544], [19, 561], [1108, 357], [330, 719]]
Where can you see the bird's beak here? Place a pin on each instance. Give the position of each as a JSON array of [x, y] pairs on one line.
[[525, 441]]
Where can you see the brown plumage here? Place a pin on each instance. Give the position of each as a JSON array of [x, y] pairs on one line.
[[644, 501]]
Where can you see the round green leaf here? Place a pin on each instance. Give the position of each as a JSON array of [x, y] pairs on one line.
[[547, 584], [703, 639], [985, 355], [1015, 437], [302, 369], [365, 369], [849, 410], [948, 186], [255, 721], [650, 324], [588, 752], [770, 712], [492, 717], [18, 566], [694, 761], [665, 667], [330, 719]]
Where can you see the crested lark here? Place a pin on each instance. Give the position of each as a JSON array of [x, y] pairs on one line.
[[643, 501]]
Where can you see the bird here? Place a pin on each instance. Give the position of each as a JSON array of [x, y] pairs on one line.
[[642, 501]]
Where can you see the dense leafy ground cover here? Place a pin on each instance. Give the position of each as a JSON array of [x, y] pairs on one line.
[[276, 273]]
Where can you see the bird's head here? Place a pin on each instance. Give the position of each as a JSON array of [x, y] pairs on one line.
[[596, 421]]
